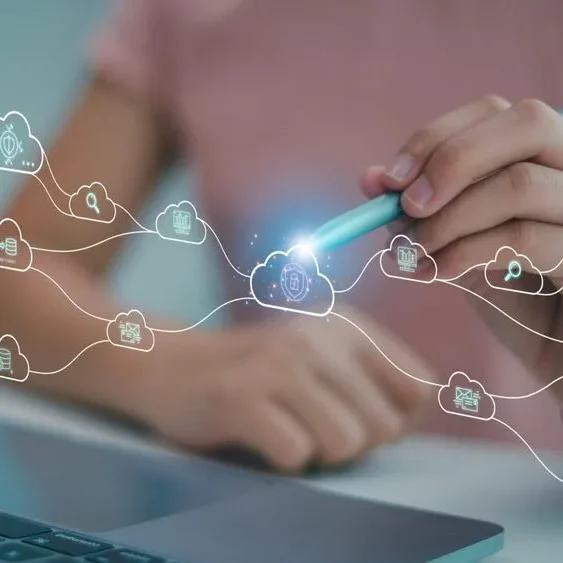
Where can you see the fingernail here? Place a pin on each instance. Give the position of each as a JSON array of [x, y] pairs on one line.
[[420, 192], [401, 167]]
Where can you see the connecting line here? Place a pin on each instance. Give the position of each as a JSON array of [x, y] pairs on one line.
[[127, 212], [51, 197], [178, 330], [462, 274], [361, 273], [92, 245], [208, 226], [529, 447], [503, 312], [383, 353], [69, 297], [46, 160], [71, 361], [533, 393]]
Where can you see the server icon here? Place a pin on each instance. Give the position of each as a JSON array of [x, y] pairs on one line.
[[5, 361]]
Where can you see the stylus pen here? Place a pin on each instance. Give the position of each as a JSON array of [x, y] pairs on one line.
[[367, 217]]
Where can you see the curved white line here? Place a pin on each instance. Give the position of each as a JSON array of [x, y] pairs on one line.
[[177, 330], [208, 226], [52, 175], [126, 211], [383, 353], [503, 312], [552, 269], [530, 448], [71, 361], [361, 273], [51, 197], [529, 394], [69, 297], [463, 273], [94, 244]]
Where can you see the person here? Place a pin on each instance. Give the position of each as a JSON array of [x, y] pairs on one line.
[[281, 105]]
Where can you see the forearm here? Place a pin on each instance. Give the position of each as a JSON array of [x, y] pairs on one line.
[[51, 331]]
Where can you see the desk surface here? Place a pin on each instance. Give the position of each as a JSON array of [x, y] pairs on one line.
[[503, 484]]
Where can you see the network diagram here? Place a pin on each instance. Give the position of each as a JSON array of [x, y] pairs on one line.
[[287, 280]]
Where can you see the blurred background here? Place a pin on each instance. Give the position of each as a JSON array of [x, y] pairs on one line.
[[43, 68]]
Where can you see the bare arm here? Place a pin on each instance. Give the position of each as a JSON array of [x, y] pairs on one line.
[[119, 140]]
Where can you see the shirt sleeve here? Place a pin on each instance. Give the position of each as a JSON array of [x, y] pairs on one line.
[[127, 49]]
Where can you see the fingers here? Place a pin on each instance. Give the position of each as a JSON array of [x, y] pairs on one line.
[[372, 181], [534, 240], [520, 191], [415, 153], [269, 429], [528, 131], [336, 427]]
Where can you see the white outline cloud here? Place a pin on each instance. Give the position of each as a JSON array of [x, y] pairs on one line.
[[300, 249], [406, 277], [20, 239], [93, 186], [19, 354], [196, 218], [30, 137], [517, 257], [470, 382], [143, 327]]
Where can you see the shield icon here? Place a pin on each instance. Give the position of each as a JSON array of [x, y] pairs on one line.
[[294, 282]]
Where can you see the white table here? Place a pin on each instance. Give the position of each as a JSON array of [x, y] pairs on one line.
[[503, 484]]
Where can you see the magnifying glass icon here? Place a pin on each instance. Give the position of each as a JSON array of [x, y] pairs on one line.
[[92, 202], [514, 270]]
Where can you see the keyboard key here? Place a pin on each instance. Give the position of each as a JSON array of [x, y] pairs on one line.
[[16, 528], [68, 543], [123, 556], [14, 552]]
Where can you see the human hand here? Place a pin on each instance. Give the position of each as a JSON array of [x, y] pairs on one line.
[[487, 175], [307, 390]]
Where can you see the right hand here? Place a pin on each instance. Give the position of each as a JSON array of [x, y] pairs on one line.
[[296, 392]]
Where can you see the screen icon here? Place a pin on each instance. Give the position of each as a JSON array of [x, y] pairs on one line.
[[9, 246], [467, 399], [406, 258], [182, 222]]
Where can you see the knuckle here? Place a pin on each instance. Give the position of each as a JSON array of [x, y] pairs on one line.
[[293, 456], [522, 177], [347, 446], [523, 234], [494, 102], [446, 161], [534, 111], [420, 143]]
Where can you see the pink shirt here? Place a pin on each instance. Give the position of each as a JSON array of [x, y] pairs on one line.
[[283, 103]]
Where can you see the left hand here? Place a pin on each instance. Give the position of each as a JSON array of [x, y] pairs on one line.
[[487, 175]]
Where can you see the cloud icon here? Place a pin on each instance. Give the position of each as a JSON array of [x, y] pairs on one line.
[[291, 281], [129, 330], [506, 272], [407, 260], [15, 252], [20, 151], [13, 364], [466, 397], [91, 203], [180, 222]]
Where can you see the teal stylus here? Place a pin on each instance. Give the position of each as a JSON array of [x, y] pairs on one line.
[[353, 224]]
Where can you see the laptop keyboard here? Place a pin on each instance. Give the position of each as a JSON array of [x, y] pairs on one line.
[[23, 540]]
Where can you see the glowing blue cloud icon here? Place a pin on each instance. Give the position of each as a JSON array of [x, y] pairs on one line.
[[291, 281]]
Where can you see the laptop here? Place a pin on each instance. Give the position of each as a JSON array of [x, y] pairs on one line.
[[62, 501]]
